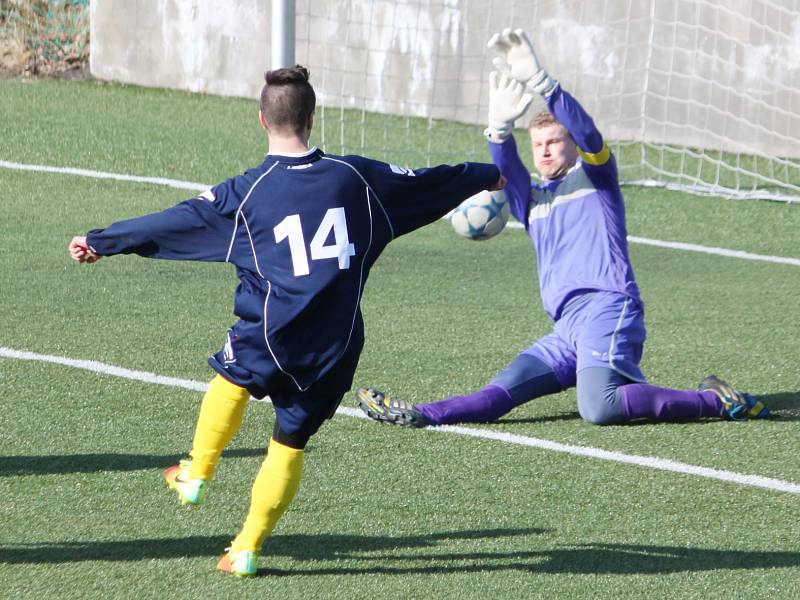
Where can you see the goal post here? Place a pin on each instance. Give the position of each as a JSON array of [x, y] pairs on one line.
[[282, 33]]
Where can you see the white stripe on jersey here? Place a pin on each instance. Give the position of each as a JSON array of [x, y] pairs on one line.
[[542, 211], [360, 275], [378, 200], [266, 339], [239, 211], [252, 246]]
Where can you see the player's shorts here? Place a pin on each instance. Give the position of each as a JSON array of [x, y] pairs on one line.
[[597, 329], [302, 413], [297, 413]]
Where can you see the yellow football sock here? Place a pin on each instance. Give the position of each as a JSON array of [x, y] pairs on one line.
[[273, 490], [220, 417]]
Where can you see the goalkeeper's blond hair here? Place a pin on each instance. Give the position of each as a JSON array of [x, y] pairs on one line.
[[542, 120], [546, 119]]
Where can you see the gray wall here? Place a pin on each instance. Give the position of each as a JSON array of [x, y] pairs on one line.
[[711, 74]]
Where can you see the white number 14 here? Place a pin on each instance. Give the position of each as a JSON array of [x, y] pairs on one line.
[[341, 248]]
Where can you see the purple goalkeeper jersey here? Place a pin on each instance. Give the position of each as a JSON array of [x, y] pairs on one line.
[[577, 222]]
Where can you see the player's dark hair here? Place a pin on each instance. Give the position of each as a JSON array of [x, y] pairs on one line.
[[287, 99]]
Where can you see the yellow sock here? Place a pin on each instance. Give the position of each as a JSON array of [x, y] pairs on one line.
[[220, 417], [273, 490]]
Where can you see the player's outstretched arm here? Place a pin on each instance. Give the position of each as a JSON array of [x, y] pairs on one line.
[[80, 251], [413, 198], [192, 230]]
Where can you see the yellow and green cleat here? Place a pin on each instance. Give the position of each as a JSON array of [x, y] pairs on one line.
[[190, 491], [243, 563]]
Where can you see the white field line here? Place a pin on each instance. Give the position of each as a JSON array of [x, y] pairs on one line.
[[176, 183], [508, 438], [189, 185], [718, 251], [702, 249]]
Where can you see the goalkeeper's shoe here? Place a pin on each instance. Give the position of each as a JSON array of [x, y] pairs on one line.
[[190, 491], [736, 406], [389, 409], [242, 564]]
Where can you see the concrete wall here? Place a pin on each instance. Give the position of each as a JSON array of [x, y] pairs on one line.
[[711, 74], [196, 45]]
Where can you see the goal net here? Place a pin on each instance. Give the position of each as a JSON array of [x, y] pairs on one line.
[[697, 95]]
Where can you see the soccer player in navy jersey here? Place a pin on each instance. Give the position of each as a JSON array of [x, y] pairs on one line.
[[575, 219], [303, 229]]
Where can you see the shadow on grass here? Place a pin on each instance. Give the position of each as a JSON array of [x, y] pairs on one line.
[[783, 406], [374, 555], [575, 416], [567, 416], [300, 547], [584, 559], [94, 463]]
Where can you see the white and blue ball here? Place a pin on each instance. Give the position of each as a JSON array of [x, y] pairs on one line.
[[482, 216]]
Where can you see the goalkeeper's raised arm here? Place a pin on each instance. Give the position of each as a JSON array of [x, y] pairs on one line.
[[517, 60]]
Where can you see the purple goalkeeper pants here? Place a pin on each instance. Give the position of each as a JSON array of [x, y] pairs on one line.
[[596, 345]]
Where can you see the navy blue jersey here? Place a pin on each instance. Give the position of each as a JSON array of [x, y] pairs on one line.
[[303, 233]]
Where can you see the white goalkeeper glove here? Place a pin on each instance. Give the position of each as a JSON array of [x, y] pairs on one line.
[[519, 59], [508, 101]]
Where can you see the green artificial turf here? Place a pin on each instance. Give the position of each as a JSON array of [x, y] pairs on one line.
[[382, 512]]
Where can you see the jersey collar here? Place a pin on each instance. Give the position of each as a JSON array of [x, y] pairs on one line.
[[308, 152], [311, 155]]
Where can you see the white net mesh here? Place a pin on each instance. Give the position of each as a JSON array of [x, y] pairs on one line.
[[700, 95]]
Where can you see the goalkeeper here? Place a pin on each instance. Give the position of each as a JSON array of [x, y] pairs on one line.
[[303, 230], [575, 219]]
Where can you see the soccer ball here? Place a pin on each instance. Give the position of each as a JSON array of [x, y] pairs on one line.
[[482, 216]]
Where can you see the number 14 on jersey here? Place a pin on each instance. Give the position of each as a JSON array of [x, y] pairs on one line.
[[341, 248]]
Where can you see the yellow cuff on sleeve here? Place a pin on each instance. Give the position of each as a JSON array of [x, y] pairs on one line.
[[597, 158]]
